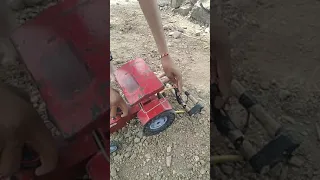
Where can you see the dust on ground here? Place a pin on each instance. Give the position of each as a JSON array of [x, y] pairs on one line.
[[276, 56], [182, 151]]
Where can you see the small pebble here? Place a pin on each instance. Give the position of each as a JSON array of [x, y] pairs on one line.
[[176, 34], [296, 161], [196, 158], [168, 161], [136, 140]]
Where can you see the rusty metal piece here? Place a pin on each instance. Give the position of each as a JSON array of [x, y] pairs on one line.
[[190, 96]]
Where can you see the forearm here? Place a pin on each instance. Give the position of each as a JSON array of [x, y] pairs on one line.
[[220, 48], [152, 14], [7, 20]]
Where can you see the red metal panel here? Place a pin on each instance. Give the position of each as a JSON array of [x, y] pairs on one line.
[[98, 168], [66, 50], [137, 81], [152, 109]]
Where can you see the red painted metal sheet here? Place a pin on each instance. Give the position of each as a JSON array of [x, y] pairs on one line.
[[137, 81], [98, 168], [66, 50]]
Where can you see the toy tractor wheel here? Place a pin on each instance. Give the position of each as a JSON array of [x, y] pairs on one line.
[[159, 123], [114, 146]]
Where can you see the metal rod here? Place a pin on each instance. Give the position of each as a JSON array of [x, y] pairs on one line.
[[100, 145], [190, 96]]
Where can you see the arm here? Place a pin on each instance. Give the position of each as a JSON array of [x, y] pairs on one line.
[[221, 58], [152, 14], [7, 25]]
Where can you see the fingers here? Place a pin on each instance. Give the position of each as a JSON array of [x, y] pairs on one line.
[[225, 88], [48, 158], [113, 111], [116, 101], [43, 143], [172, 79], [221, 102], [177, 80], [10, 159], [124, 108]]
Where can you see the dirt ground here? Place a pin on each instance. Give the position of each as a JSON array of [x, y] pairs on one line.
[[182, 151], [275, 55]]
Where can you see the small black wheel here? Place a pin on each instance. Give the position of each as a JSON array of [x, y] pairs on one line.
[[114, 146], [159, 123]]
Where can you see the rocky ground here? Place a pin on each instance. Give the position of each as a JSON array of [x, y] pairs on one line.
[[182, 151], [275, 55]]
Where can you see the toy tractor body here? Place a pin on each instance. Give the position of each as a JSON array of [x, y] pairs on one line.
[[140, 85], [145, 94], [65, 49]]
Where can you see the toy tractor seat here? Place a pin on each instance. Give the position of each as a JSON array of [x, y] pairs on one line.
[[137, 81]]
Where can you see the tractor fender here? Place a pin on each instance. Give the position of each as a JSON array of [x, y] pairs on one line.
[[152, 109]]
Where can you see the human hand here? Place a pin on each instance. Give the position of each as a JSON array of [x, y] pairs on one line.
[[222, 76], [172, 71], [116, 101], [20, 124]]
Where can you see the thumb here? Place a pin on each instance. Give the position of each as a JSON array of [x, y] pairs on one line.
[[43, 143], [113, 111], [10, 159]]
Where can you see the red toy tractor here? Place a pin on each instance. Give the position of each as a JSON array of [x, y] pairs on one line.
[[145, 93], [66, 51]]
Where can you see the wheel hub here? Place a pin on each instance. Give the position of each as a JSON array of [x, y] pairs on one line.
[[158, 123], [113, 148]]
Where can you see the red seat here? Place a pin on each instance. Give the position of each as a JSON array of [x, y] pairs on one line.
[[137, 81]]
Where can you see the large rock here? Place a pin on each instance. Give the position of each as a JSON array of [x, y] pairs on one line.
[[16, 4], [176, 3], [32, 2], [200, 14], [185, 9]]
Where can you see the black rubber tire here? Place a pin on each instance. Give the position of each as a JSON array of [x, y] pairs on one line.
[[169, 114]]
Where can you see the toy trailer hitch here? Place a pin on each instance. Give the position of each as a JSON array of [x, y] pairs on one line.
[[279, 149], [195, 108]]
